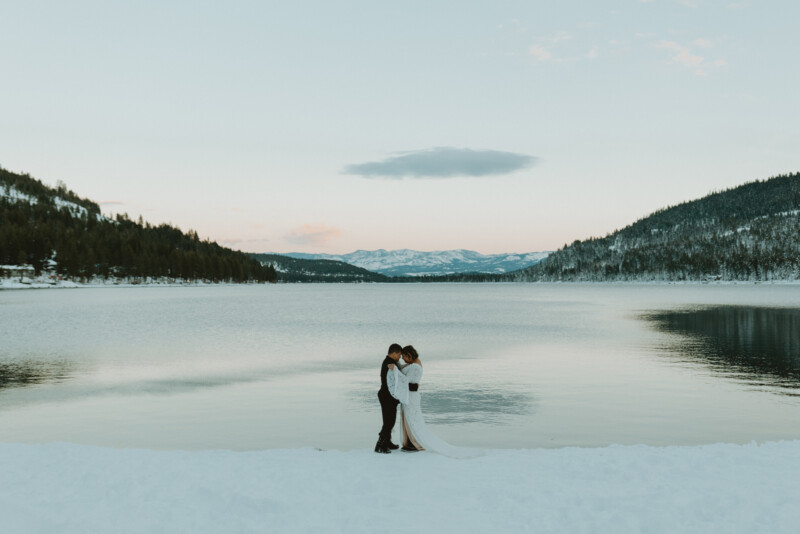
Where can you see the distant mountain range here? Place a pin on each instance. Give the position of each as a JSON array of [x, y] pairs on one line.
[[406, 262]]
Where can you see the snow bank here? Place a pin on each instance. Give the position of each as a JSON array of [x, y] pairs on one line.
[[38, 283], [716, 488], [43, 282]]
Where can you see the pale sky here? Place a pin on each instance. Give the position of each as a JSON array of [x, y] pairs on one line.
[[503, 126]]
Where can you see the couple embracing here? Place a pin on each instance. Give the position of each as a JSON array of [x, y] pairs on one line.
[[401, 373]]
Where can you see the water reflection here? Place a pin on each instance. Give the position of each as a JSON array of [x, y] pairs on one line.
[[758, 345], [473, 405], [457, 405], [30, 372]]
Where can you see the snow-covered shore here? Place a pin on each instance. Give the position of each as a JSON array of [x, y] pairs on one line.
[[42, 283], [14, 283], [23, 277], [715, 488]]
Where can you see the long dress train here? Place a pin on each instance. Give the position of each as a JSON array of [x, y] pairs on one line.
[[413, 422]]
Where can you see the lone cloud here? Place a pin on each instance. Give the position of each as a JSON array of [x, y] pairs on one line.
[[313, 234], [443, 162]]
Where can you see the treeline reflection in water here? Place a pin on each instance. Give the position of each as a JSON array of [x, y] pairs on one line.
[[19, 373], [758, 345]]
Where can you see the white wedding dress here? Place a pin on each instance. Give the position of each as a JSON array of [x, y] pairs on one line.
[[411, 418]]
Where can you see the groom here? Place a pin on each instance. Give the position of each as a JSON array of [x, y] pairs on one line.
[[388, 403]]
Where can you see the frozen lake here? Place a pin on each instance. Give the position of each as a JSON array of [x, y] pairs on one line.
[[506, 365]]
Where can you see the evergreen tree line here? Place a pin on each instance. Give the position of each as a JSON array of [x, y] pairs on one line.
[[304, 270], [728, 209], [84, 244], [748, 233], [454, 277]]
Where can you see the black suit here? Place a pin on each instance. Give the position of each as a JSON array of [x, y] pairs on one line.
[[388, 403]]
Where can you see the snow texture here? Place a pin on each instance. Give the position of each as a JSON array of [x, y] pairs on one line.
[[706, 489], [23, 277], [45, 282]]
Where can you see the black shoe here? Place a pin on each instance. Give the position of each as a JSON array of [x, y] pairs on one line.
[[392, 446], [410, 448], [382, 448]]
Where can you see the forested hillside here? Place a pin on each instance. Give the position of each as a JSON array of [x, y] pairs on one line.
[[751, 232], [747, 233], [303, 270], [53, 228]]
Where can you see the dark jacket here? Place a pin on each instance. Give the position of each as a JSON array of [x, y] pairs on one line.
[[384, 372]]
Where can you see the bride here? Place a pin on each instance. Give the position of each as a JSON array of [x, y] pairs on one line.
[[404, 386]]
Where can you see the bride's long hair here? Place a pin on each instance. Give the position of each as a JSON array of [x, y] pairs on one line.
[[410, 352]]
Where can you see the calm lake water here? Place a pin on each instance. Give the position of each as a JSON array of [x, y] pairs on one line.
[[506, 365]]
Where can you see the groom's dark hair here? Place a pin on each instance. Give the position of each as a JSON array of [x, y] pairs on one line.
[[394, 347]]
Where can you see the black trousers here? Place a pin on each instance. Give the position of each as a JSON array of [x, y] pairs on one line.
[[389, 413]]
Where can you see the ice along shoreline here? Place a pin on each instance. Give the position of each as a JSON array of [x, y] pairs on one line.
[[16, 284]]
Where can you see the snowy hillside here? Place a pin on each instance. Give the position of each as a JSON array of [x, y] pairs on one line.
[[51, 235], [405, 262], [75, 210], [746, 233]]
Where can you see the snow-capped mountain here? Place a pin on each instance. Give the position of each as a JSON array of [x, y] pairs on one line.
[[406, 262]]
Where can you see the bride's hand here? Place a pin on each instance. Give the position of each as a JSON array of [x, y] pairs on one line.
[[391, 367]]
